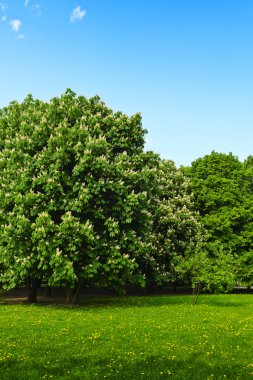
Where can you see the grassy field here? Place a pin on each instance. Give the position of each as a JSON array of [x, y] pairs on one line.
[[129, 338]]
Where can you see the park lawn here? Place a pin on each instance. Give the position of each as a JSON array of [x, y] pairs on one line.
[[163, 337]]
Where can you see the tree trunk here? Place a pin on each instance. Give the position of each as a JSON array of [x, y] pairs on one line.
[[75, 299], [32, 287], [196, 293], [69, 295]]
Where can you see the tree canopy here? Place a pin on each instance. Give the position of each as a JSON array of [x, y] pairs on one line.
[[222, 189], [81, 202]]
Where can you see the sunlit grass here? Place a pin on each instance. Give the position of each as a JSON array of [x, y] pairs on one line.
[[129, 338]]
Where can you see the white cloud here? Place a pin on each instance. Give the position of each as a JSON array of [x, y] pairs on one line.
[[15, 25], [4, 18], [77, 14], [21, 36], [26, 3]]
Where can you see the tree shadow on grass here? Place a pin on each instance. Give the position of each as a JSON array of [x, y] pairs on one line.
[[159, 301], [102, 301], [133, 301]]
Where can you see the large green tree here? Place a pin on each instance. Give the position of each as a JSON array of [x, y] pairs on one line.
[[69, 212], [81, 202], [220, 184]]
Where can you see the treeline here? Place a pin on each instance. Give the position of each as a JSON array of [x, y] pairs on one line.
[[82, 204]]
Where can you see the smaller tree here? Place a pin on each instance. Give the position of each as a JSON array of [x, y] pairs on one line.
[[222, 191], [207, 273]]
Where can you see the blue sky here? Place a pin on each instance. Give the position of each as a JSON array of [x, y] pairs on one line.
[[186, 65]]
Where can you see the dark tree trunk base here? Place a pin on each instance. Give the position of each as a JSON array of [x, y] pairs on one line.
[[32, 288], [72, 294]]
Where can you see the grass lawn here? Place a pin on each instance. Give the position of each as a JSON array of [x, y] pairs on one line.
[[152, 338]]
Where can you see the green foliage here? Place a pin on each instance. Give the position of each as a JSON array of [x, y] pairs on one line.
[[80, 200], [221, 186], [67, 203], [176, 229]]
